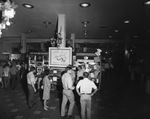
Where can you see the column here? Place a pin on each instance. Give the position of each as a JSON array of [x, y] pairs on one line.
[[62, 29], [23, 46], [126, 56], [73, 40]]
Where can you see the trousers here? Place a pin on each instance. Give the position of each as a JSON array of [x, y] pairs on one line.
[[6, 81], [31, 95], [85, 101], [67, 95], [13, 81]]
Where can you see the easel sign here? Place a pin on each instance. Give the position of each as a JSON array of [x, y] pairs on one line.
[[60, 57]]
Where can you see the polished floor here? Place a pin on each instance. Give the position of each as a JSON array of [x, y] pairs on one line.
[[118, 98]]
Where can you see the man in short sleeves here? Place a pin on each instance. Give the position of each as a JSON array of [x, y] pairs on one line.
[[31, 80], [86, 86], [68, 95]]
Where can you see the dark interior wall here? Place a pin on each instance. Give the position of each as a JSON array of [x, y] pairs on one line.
[[145, 48]]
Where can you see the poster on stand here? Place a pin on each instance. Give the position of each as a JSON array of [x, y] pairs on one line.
[[60, 57]]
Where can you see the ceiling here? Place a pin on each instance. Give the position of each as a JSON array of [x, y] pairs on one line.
[[106, 18]]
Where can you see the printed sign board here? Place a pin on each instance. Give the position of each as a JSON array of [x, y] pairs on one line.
[[60, 57]]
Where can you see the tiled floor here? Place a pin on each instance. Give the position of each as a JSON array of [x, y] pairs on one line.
[[115, 100]]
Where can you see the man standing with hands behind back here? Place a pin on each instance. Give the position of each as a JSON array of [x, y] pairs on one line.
[[86, 86], [31, 80]]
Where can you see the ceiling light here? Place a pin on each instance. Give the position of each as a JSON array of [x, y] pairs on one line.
[[85, 31], [29, 6], [29, 31], [85, 23], [8, 23], [85, 4], [147, 3], [116, 31], [126, 22], [110, 36], [7, 9], [46, 23], [135, 36], [85, 36]]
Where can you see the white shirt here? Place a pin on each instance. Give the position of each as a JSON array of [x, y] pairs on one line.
[[86, 86], [31, 78], [18, 66], [6, 71], [73, 75], [67, 81]]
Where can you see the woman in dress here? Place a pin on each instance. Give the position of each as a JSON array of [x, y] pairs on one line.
[[46, 88]]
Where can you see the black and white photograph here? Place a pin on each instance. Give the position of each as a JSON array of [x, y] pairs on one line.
[[74, 59]]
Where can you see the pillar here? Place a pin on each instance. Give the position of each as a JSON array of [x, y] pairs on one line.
[[73, 40], [62, 29], [126, 56], [23, 46]]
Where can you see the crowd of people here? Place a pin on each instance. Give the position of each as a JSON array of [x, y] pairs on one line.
[[82, 80], [72, 81], [11, 73]]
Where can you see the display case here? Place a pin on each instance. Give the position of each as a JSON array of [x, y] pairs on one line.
[[40, 60], [56, 73]]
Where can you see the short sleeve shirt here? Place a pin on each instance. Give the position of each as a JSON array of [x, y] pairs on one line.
[[67, 81], [86, 86], [31, 78]]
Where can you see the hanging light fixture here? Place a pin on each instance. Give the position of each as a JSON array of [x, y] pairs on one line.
[[85, 23], [28, 6], [85, 33], [84, 4], [147, 2], [7, 10], [46, 23]]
